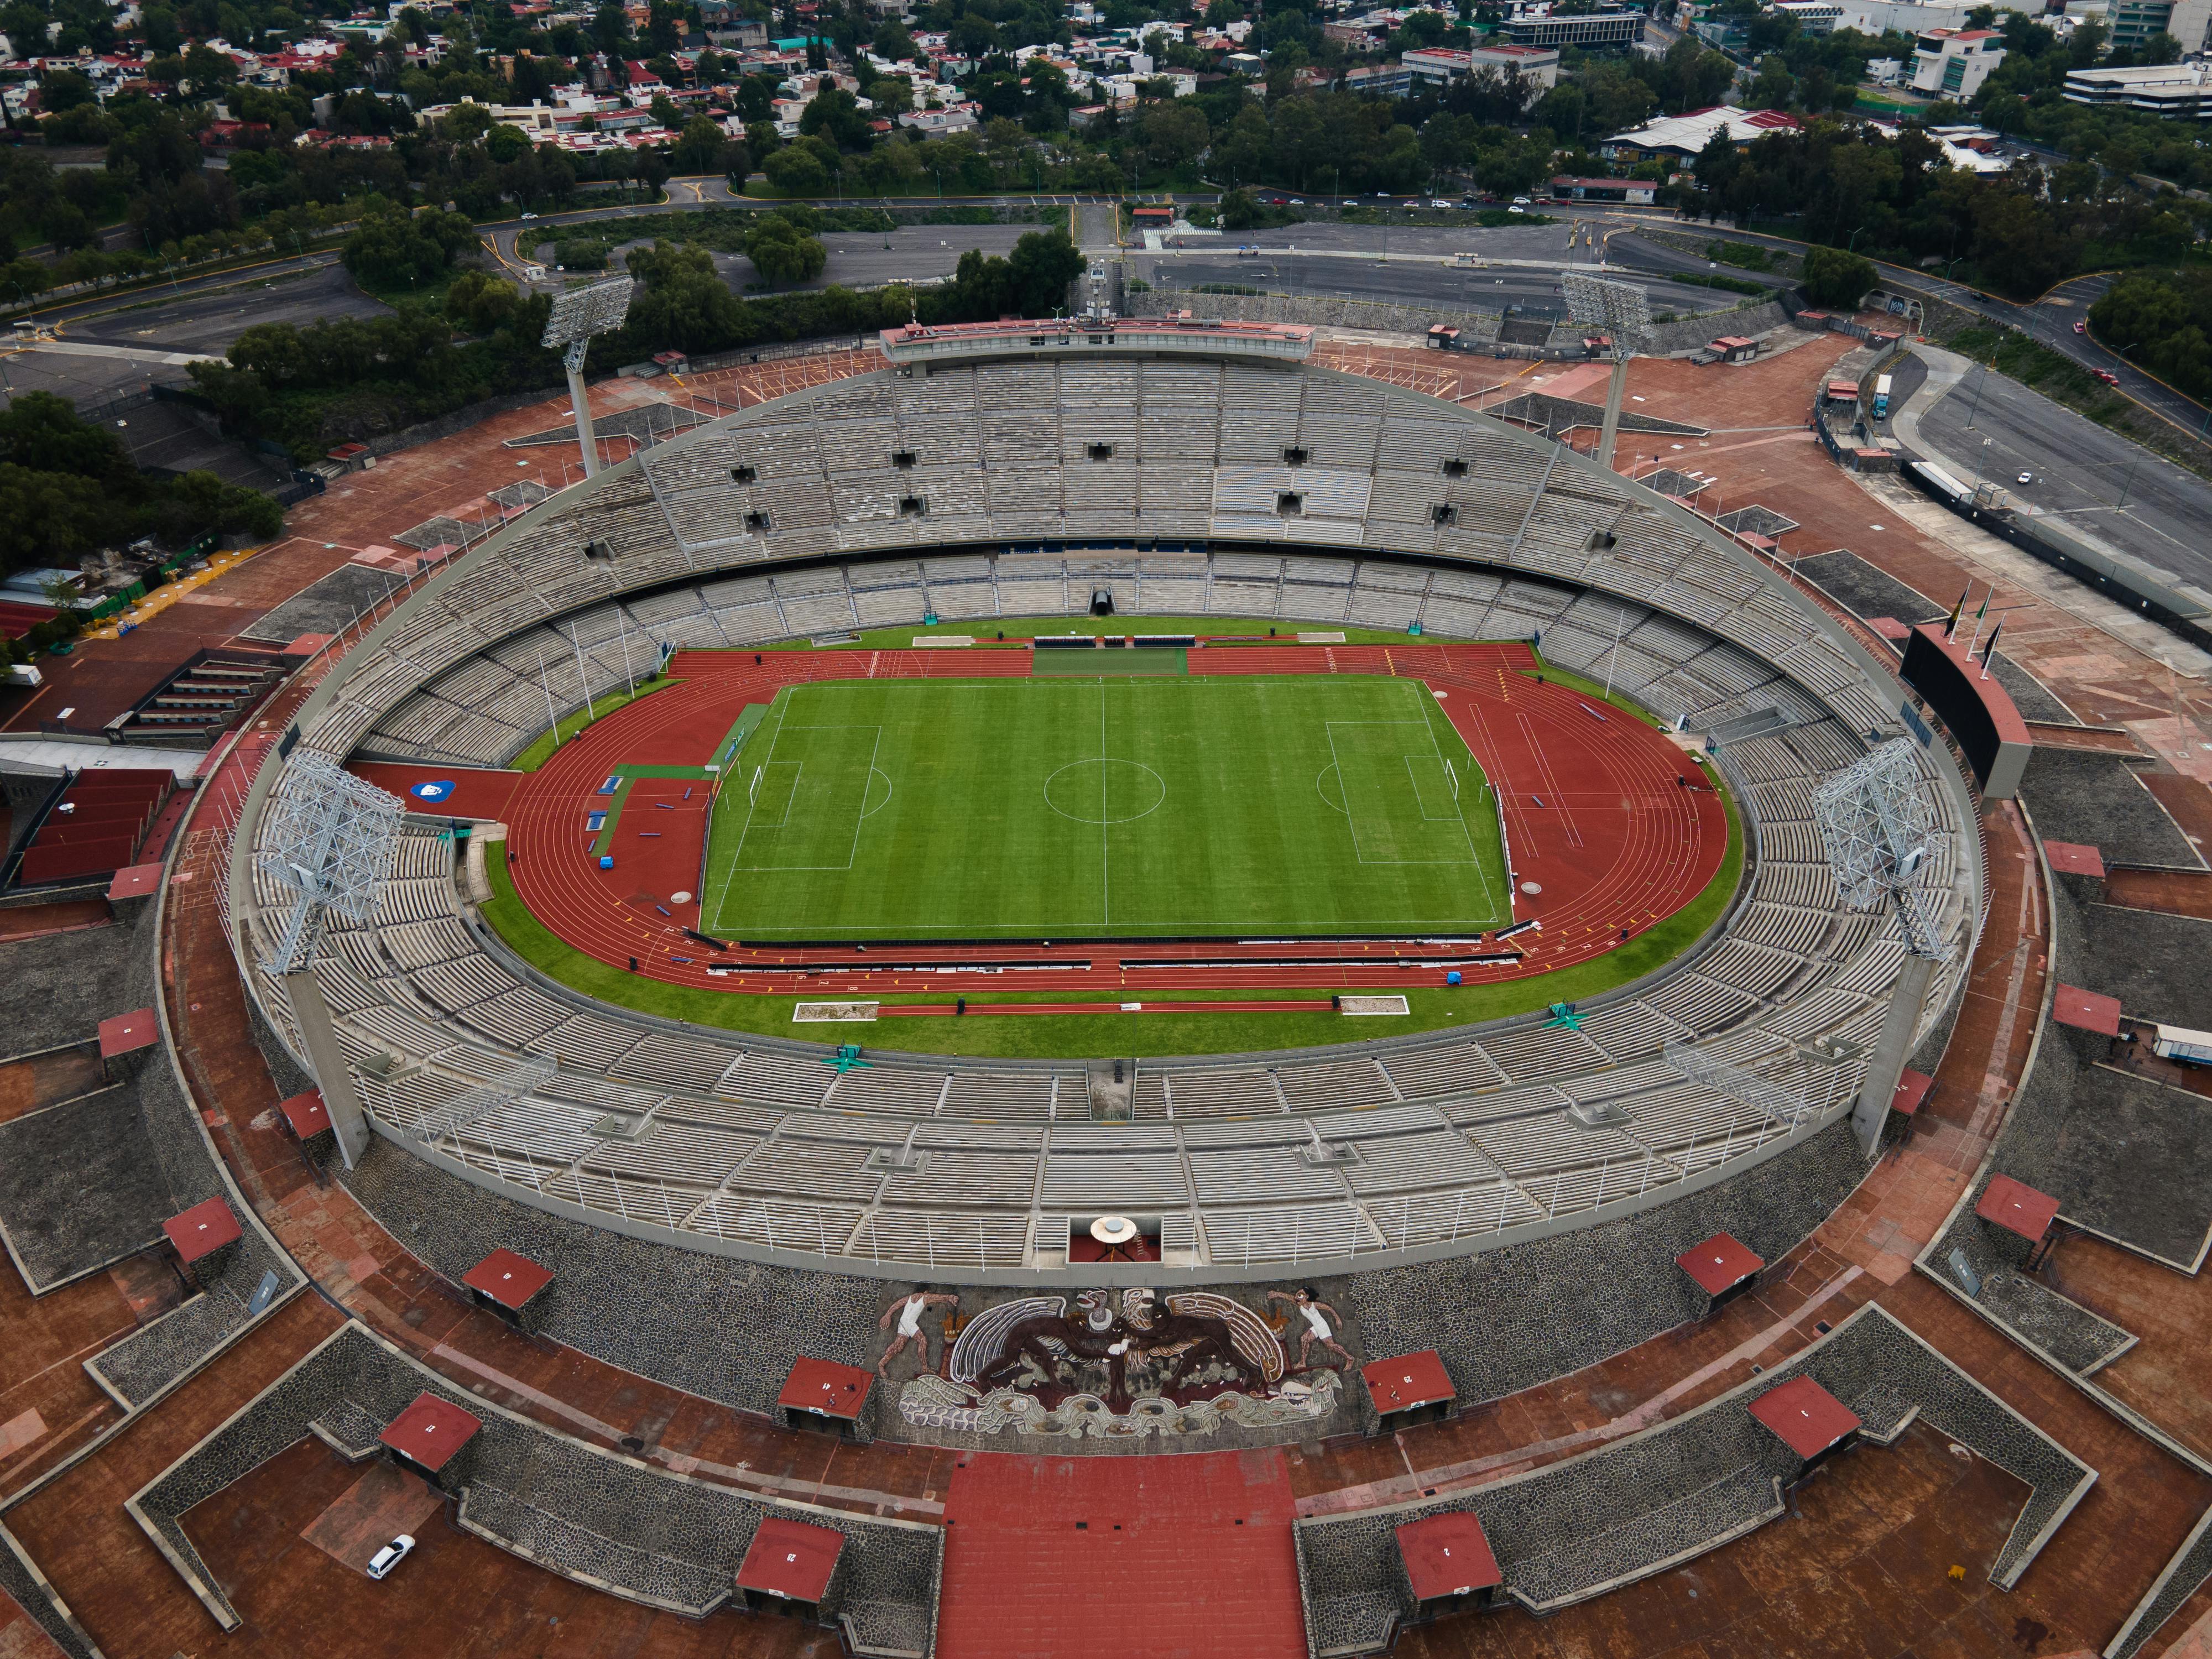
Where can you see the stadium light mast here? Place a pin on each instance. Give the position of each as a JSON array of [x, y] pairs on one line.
[[1624, 314], [1879, 828], [579, 317], [329, 842]]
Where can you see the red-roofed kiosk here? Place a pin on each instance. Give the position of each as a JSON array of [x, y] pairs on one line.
[[125, 1040], [2086, 1011], [1722, 1268], [199, 1233], [1410, 1389], [830, 1398], [1809, 1420], [1448, 1565], [511, 1286], [790, 1567], [304, 1114], [2014, 1207], [428, 1435]]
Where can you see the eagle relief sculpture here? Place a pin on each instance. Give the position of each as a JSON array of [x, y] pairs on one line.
[[1125, 1366]]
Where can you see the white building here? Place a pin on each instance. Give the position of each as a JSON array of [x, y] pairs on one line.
[[1814, 16], [1537, 66], [2178, 90], [1954, 63], [1875, 17]]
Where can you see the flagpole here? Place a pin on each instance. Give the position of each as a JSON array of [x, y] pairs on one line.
[[1978, 616]]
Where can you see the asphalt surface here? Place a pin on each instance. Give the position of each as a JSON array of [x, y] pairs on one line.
[[138, 336], [867, 259], [2088, 479], [2050, 318]]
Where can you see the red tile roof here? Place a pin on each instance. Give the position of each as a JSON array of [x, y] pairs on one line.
[[2074, 859], [123, 1033], [201, 1231], [1808, 1418], [825, 1387], [430, 1432], [306, 1112], [2089, 1011], [136, 882], [1719, 1264], [1912, 1088], [791, 1558], [1447, 1555], [1409, 1380], [2017, 1208], [508, 1279]]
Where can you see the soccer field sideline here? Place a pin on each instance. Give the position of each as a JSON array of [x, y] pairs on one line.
[[1212, 813]]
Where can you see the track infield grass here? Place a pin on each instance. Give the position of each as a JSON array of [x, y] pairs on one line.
[[1103, 808]]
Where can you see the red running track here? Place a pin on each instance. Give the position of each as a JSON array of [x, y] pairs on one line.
[[1594, 817]]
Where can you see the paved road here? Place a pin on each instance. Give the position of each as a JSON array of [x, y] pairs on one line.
[[1401, 279], [2050, 318], [117, 343], [2098, 485]]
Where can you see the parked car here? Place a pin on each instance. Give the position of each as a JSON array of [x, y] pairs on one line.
[[381, 1564]]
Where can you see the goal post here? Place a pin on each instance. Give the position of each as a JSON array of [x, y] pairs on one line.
[[1451, 775]]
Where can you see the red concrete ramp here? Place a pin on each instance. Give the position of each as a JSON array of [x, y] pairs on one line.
[[1180, 1555]]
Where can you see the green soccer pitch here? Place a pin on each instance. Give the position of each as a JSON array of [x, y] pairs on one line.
[[1037, 808]]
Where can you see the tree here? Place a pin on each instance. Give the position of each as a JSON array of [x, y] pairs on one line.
[[205, 67], [1836, 278], [1175, 132], [892, 41], [703, 149], [797, 170], [1042, 265], [394, 249], [683, 304], [1775, 85], [781, 253]]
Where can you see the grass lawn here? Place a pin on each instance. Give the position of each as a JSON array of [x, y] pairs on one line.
[[1081, 1035], [1106, 806]]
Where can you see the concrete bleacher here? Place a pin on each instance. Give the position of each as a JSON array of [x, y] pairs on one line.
[[740, 1151], [1828, 967]]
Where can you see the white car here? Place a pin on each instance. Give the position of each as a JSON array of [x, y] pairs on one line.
[[381, 1564], [529, 215], [2028, 478]]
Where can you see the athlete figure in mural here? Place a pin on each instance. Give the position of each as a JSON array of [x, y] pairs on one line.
[[1318, 1315], [908, 1311]]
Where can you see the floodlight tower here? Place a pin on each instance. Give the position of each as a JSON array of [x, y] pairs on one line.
[[1879, 828], [329, 841], [579, 317], [1624, 312]]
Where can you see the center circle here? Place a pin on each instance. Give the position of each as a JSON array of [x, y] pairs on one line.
[[1104, 791]]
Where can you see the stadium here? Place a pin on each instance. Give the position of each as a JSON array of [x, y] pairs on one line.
[[1098, 957]]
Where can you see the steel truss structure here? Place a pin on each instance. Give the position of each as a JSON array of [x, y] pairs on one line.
[[330, 842], [1879, 828]]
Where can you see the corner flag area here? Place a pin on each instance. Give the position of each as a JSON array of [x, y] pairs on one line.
[[1121, 805]]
